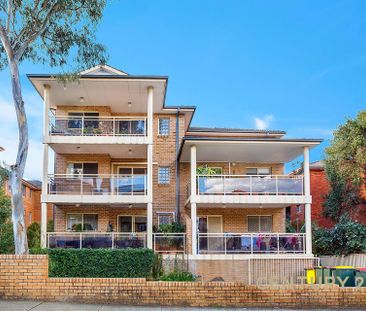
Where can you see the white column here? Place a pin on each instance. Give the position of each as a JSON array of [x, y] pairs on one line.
[[193, 172], [309, 247], [194, 228], [150, 114], [46, 98], [193, 198]]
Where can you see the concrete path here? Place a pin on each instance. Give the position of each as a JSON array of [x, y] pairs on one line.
[[8, 305]]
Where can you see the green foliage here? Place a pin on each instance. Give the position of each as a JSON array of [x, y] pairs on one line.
[[344, 238], [6, 228], [6, 238], [55, 32], [206, 170], [34, 235], [345, 164], [157, 268], [174, 227], [99, 263], [50, 226], [179, 276]]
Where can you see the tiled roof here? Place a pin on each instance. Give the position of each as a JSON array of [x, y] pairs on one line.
[[317, 165], [232, 130], [35, 183]]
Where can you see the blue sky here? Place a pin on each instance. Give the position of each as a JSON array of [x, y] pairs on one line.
[[293, 65]]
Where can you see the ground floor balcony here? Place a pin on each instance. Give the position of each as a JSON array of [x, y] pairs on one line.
[[162, 242], [250, 243]]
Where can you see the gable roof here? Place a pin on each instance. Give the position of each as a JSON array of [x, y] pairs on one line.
[[103, 70]]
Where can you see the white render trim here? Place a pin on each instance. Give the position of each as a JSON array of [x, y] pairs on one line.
[[295, 142], [94, 199], [106, 140], [252, 199]]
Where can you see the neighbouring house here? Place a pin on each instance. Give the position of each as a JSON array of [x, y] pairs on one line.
[[319, 188], [126, 162], [31, 192]]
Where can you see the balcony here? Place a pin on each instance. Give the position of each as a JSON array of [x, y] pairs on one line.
[[99, 130], [251, 189], [163, 242], [97, 126], [249, 185], [95, 240], [251, 243], [80, 188]]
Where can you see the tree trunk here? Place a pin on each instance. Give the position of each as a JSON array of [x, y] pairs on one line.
[[17, 170]]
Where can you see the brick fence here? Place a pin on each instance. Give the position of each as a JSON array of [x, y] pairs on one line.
[[26, 277]]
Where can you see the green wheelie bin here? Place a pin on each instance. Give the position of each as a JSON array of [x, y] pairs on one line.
[[323, 275], [344, 276], [361, 277]]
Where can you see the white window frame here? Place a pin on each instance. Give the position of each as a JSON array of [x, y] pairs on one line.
[[260, 231], [160, 182], [159, 120], [266, 167], [172, 214], [133, 223], [82, 221]]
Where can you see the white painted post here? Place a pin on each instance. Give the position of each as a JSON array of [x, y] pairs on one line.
[[46, 99], [193, 172], [309, 248], [150, 104], [194, 228]]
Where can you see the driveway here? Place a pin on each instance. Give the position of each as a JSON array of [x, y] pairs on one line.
[[9, 305]]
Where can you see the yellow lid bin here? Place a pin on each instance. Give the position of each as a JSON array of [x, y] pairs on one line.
[[310, 276]]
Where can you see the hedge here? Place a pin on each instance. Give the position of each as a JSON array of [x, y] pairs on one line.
[[100, 263]]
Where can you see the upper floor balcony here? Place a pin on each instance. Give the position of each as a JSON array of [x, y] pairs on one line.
[[91, 188], [79, 128]]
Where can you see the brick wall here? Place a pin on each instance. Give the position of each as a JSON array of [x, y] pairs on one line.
[[25, 277]]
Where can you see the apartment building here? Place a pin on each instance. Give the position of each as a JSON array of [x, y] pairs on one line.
[[126, 162]]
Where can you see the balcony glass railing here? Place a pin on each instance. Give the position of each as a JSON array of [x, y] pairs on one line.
[[169, 242], [250, 243], [250, 185], [97, 184], [97, 126], [96, 240]]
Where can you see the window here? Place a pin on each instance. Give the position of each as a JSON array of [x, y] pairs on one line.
[[164, 126], [164, 175], [82, 168], [91, 120], [165, 218], [258, 171], [82, 222], [132, 223], [259, 223], [24, 190], [30, 217]]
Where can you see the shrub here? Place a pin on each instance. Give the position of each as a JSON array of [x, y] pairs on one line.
[[174, 227], [157, 268], [50, 226], [34, 235], [344, 238], [6, 238], [179, 276], [100, 263]]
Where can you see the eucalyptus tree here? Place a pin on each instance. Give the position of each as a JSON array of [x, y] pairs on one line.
[[56, 33]]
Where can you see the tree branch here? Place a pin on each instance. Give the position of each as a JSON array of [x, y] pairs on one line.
[[19, 53], [10, 14]]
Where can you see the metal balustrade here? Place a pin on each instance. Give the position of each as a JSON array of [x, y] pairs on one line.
[[88, 184], [251, 243], [249, 185], [96, 240], [98, 126]]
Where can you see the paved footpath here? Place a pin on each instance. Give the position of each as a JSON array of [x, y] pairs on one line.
[[9, 305]]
